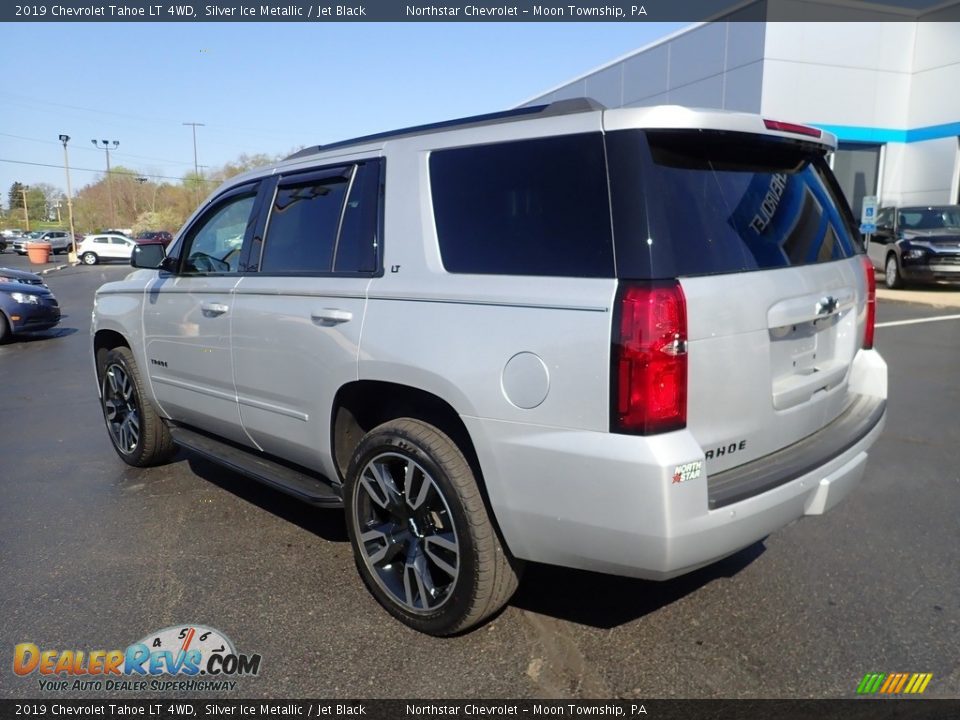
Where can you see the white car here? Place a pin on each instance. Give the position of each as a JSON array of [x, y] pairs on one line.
[[105, 246]]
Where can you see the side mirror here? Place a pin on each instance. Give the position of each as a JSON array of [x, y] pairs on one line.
[[149, 256]]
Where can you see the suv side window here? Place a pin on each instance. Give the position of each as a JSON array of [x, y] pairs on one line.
[[213, 243], [358, 243], [304, 219], [324, 221], [531, 207]]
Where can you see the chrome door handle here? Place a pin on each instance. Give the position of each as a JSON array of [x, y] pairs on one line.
[[331, 316], [211, 308]]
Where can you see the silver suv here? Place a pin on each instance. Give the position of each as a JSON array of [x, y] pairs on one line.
[[59, 240], [633, 341]]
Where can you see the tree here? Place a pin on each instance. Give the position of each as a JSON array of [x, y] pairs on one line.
[[14, 197]]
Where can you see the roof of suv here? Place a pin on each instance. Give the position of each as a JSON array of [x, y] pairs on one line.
[[653, 117]]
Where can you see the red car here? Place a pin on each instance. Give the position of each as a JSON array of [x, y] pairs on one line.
[[152, 236]]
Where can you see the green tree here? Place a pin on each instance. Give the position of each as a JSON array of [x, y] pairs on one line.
[[14, 197]]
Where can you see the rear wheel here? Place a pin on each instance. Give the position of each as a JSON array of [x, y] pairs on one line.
[[138, 433], [422, 539], [892, 276], [89, 258]]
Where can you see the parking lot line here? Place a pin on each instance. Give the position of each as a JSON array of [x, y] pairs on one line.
[[916, 321]]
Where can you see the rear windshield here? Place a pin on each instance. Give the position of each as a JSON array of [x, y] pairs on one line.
[[723, 203]]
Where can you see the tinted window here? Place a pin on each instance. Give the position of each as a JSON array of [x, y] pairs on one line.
[[733, 203], [302, 230], [535, 207], [215, 241], [357, 247], [885, 218]]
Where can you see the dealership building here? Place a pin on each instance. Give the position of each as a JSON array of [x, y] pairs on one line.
[[889, 90]]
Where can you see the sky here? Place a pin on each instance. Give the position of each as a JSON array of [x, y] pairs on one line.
[[264, 87]]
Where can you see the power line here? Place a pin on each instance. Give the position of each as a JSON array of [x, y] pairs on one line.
[[93, 170]]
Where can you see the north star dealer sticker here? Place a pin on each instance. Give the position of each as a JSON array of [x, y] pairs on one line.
[[689, 471]]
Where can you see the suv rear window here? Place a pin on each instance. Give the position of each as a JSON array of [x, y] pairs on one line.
[[720, 202], [531, 207]]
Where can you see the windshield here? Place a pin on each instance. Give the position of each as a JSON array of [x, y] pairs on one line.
[[930, 218]]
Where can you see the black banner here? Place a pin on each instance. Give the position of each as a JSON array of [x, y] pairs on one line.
[[860, 709], [475, 11]]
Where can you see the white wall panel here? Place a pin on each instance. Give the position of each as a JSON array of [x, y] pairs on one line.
[[606, 86]]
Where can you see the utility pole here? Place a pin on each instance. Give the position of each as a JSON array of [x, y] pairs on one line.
[[72, 257], [196, 169], [26, 210], [106, 146]]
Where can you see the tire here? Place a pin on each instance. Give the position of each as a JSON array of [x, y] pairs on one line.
[[891, 275], [138, 433], [89, 258], [5, 332], [455, 572]]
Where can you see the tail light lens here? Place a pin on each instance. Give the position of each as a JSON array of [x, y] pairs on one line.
[[649, 374], [792, 128], [871, 303]]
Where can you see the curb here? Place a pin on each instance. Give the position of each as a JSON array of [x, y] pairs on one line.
[[50, 270]]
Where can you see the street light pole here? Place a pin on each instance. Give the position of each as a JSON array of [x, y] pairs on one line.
[[105, 144], [72, 257]]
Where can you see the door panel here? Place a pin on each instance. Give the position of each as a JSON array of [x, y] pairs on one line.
[[188, 351], [187, 320], [291, 353], [296, 322]]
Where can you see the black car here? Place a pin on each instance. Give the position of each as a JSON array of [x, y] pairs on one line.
[[917, 244], [25, 303]]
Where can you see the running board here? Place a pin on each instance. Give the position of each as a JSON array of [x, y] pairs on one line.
[[315, 490]]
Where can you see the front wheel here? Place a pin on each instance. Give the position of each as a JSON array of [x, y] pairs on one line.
[[138, 433], [422, 539], [891, 275], [89, 258]]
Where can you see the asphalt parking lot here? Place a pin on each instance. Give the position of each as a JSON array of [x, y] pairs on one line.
[[96, 555]]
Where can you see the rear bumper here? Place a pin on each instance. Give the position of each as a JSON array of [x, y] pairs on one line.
[[611, 503]]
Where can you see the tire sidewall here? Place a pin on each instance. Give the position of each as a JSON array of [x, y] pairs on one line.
[[898, 280], [115, 357], [89, 258], [446, 619]]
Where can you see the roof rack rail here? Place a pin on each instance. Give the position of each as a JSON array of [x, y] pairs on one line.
[[560, 107]]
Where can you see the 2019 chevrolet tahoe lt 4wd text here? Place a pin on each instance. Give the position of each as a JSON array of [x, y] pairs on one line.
[[632, 341]]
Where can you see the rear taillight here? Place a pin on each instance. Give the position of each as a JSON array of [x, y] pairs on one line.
[[871, 303], [792, 128], [648, 384]]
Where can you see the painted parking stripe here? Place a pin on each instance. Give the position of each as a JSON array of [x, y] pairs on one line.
[[917, 321]]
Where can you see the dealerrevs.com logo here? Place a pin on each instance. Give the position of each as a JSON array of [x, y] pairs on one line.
[[198, 657]]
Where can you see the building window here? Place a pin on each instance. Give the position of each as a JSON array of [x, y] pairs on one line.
[[856, 166]]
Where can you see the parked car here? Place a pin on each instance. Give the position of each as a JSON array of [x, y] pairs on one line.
[[632, 341], [9, 275], [11, 233], [60, 241], [917, 244], [25, 305], [160, 236], [102, 247]]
